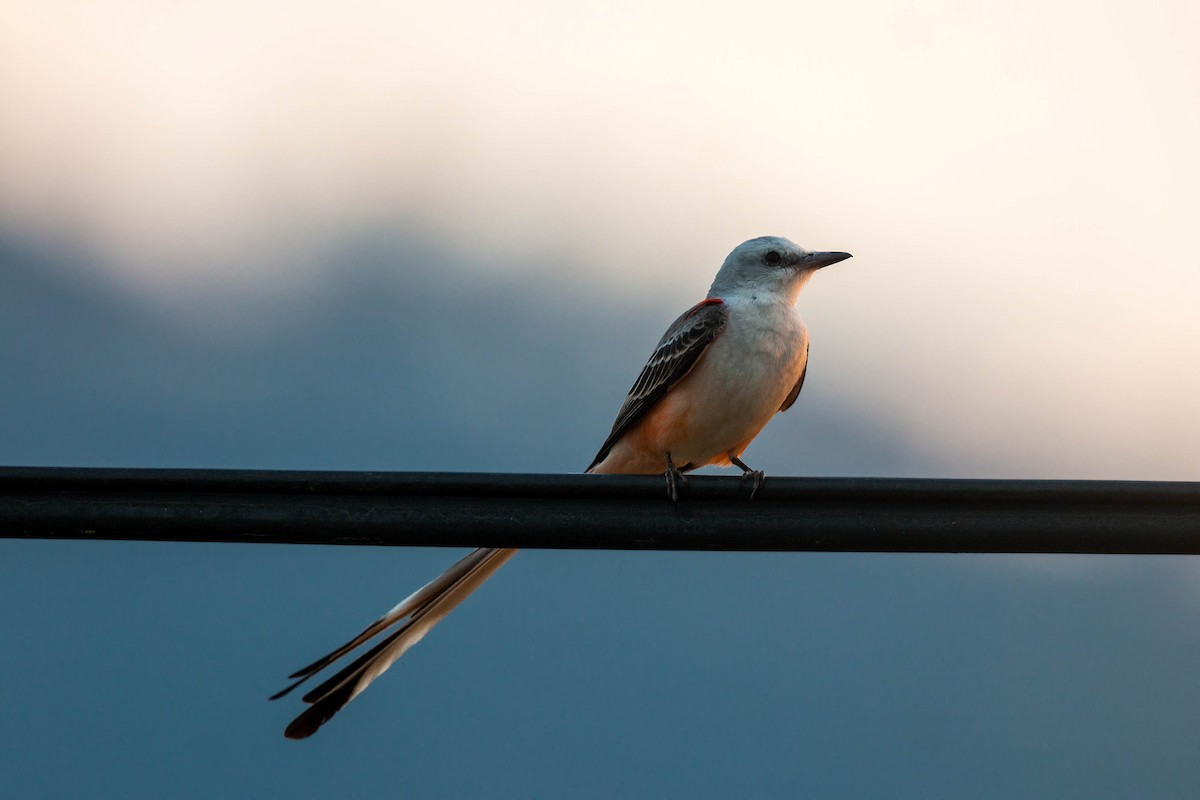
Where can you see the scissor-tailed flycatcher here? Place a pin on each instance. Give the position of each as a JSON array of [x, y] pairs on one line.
[[717, 376]]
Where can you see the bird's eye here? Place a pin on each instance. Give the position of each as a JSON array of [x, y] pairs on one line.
[[773, 257]]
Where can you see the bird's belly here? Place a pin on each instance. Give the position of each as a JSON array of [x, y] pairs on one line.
[[721, 406], [714, 427]]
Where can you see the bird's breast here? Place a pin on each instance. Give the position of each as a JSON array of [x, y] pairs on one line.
[[739, 384], [733, 391], [761, 355]]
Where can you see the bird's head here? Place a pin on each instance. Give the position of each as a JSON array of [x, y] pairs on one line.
[[770, 264]]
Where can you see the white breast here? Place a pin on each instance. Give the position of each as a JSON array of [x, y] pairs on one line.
[[742, 380]]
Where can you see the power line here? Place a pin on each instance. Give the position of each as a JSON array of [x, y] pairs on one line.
[[595, 511]]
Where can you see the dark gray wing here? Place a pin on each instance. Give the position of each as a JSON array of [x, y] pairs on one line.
[[674, 356], [795, 392]]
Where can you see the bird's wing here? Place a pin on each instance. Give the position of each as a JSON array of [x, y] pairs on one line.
[[795, 392], [674, 356], [416, 615]]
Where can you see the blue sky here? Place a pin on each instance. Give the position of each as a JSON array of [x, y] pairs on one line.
[[360, 237], [144, 668]]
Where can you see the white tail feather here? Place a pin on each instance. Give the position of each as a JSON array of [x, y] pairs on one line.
[[424, 608]]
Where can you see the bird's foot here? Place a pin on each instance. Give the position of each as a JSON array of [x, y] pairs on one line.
[[757, 476], [675, 480]]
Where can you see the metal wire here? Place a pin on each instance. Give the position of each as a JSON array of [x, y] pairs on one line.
[[594, 511]]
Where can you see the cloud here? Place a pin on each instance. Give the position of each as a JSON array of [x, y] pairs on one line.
[[1016, 188]]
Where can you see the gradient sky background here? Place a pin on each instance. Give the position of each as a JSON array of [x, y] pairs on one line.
[[376, 236]]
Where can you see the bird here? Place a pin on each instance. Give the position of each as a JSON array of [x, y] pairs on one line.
[[721, 371]]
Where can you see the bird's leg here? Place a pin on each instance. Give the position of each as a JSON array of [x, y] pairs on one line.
[[675, 479], [757, 475]]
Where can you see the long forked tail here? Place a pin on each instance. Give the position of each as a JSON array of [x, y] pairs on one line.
[[415, 615]]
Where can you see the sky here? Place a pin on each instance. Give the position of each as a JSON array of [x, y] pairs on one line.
[[377, 236]]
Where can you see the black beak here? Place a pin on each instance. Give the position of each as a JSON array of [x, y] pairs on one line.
[[818, 260]]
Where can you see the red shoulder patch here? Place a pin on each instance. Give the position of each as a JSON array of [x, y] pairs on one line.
[[711, 301]]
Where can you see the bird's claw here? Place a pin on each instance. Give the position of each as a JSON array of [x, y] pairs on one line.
[[675, 480], [757, 477]]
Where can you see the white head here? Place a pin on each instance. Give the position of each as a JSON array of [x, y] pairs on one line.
[[772, 266]]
